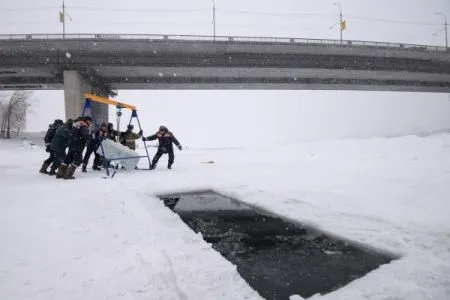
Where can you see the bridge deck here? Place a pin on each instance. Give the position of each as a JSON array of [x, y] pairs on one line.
[[185, 62]]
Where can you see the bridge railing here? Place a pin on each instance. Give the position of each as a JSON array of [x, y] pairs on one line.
[[229, 39]]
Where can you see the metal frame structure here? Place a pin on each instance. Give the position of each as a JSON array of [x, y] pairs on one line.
[[119, 106]]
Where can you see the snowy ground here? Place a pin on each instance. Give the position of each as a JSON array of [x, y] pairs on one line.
[[112, 239]]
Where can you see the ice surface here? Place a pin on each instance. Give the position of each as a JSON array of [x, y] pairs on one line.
[[92, 238]]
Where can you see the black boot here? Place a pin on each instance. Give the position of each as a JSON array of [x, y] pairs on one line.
[[52, 171], [69, 172], [83, 168], [44, 167], [96, 168], [61, 171]]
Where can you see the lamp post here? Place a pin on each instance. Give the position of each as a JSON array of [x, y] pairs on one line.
[[445, 27], [214, 19], [63, 17], [340, 18]]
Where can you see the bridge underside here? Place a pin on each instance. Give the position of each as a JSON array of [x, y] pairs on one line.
[[142, 77]]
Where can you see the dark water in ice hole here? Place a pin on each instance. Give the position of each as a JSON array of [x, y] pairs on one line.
[[277, 258]]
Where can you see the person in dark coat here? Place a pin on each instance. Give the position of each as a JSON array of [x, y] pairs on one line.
[[92, 146], [128, 137], [70, 122], [74, 157], [58, 145], [112, 134], [166, 140], [48, 139]]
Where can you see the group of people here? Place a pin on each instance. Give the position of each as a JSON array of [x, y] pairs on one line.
[[65, 143]]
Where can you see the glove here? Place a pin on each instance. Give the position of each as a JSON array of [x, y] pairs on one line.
[[140, 132], [179, 147], [144, 139], [47, 148]]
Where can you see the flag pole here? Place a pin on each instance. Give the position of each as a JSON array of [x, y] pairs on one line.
[[340, 19], [214, 19], [64, 20]]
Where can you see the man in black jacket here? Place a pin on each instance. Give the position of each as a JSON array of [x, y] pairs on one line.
[[92, 145], [165, 139], [59, 143], [48, 140], [112, 134], [80, 135]]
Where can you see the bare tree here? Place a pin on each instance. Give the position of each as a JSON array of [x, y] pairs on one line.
[[14, 113], [3, 113]]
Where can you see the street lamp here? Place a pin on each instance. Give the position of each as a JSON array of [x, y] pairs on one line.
[[445, 28], [62, 19], [214, 19], [340, 17]]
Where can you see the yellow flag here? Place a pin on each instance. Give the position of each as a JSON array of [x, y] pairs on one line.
[[61, 17], [343, 25]]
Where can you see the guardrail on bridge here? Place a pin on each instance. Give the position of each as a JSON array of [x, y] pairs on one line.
[[229, 39]]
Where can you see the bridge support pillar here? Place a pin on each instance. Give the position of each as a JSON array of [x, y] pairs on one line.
[[74, 88]]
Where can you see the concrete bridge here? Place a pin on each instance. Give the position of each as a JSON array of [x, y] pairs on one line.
[[103, 63]]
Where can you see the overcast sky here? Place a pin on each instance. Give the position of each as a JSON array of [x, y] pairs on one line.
[[253, 117]]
